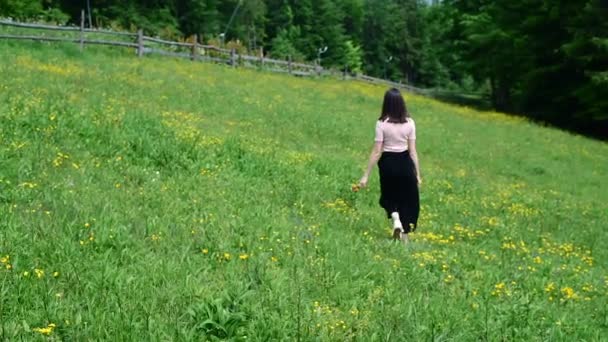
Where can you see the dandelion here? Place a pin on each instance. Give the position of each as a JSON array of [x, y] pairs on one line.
[[501, 289], [28, 185], [227, 256], [47, 330], [55, 274], [509, 245], [39, 273], [550, 287], [205, 251], [244, 256], [569, 293], [59, 159], [588, 260], [6, 261]]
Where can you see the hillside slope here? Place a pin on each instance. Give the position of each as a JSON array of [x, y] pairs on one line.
[[166, 200]]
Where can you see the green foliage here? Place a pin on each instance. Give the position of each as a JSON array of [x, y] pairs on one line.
[[540, 58], [588, 50], [353, 58], [21, 9], [283, 45]]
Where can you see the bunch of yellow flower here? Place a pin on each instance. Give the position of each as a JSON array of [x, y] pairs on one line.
[[47, 330]]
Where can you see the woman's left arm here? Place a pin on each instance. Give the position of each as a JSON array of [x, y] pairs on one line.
[[373, 159], [411, 147]]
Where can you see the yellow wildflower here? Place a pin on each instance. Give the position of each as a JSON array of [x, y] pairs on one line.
[[46, 331], [39, 273], [569, 293]]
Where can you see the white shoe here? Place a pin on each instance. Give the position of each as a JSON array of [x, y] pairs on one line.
[[396, 220], [397, 226]]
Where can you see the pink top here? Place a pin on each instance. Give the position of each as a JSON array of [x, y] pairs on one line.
[[394, 136]]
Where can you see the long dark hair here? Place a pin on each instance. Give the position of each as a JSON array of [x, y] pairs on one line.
[[394, 108]]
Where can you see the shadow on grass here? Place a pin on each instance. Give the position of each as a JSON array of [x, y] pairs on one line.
[[476, 101], [597, 129]]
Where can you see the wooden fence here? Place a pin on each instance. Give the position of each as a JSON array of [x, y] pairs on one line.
[[143, 45]]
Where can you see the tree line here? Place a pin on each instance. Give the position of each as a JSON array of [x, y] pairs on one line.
[[547, 59]]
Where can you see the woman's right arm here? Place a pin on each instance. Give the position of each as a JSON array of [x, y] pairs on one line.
[[374, 155], [373, 159]]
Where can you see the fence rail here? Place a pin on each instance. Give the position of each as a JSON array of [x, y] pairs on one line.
[[194, 51]]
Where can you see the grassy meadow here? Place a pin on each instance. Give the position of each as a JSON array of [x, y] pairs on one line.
[[162, 200]]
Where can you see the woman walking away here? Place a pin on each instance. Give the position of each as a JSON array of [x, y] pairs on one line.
[[395, 153]]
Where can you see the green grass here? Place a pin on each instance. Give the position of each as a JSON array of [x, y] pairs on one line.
[[185, 201]]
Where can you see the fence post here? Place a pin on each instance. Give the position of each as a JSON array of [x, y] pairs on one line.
[[289, 65], [140, 43], [262, 57], [81, 30], [233, 57], [193, 56]]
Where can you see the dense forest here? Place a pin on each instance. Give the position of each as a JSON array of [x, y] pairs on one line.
[[545, 59]]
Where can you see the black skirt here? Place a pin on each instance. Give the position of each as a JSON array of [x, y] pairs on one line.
[[399, 188]]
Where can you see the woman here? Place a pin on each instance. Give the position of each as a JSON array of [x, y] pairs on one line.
[[395, 152]]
